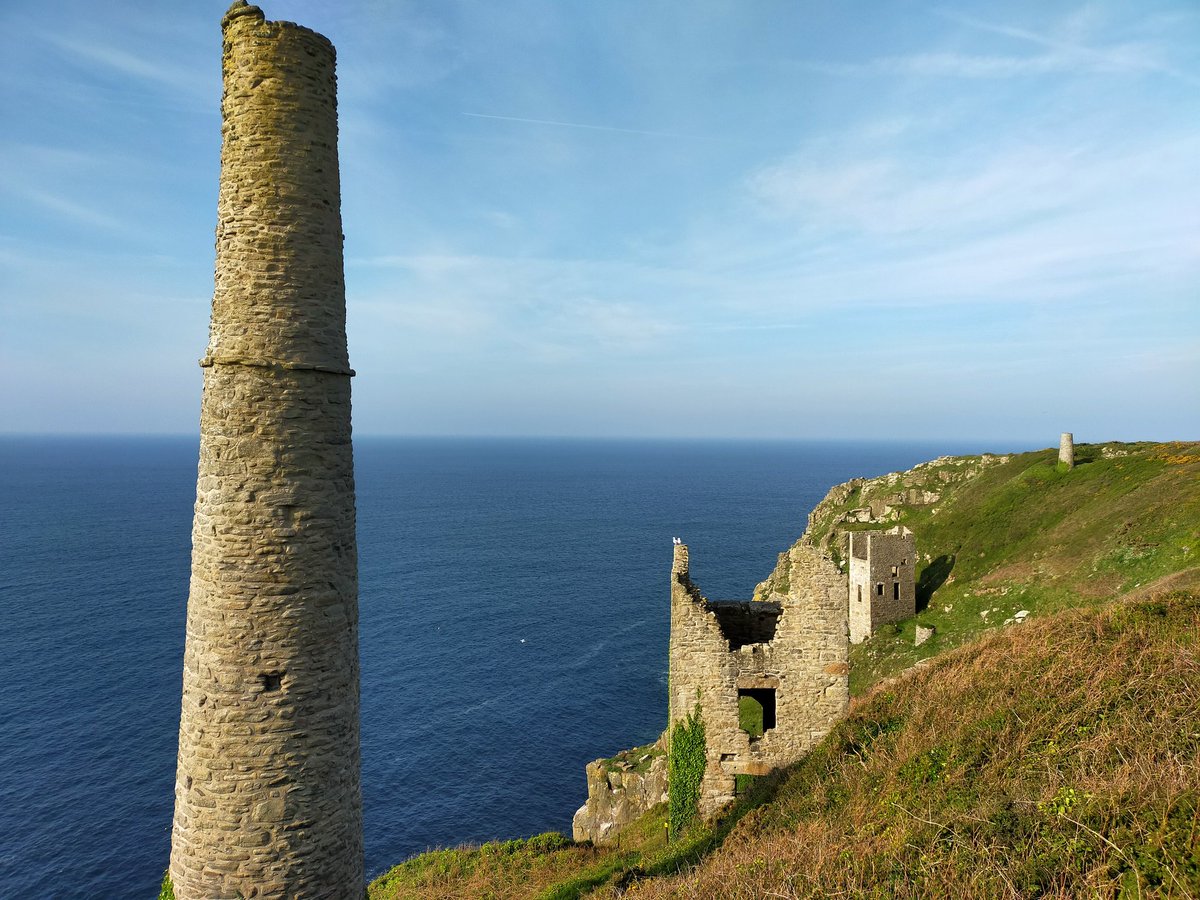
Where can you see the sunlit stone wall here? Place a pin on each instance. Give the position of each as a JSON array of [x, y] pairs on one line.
[[267, 796]]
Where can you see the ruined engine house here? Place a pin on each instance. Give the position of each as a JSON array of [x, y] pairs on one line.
[[769, 676]]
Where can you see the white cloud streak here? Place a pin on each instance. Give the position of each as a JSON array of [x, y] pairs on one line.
[[582, 125], [123, 62], [1123, 57]]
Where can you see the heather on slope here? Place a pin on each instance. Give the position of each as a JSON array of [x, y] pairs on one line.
[[1061, 760]]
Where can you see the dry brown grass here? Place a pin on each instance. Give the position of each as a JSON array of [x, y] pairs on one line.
[[1056, 761]]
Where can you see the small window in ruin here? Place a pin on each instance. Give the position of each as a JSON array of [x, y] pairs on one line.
[[895, 590], [860, 593], [879, 589], [271, 681], [895, 571], [756, 710], [743, 783], [904, 562]]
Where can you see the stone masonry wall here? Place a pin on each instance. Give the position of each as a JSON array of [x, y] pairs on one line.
[[805, 663], [880, 560], [267, 795]]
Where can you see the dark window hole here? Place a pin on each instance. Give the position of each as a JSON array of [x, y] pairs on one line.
[[756, 710], [271, 681]]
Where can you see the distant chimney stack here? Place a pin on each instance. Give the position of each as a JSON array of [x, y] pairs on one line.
[[1066, 449]]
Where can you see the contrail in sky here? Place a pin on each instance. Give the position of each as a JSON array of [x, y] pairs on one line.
[[581, 125]]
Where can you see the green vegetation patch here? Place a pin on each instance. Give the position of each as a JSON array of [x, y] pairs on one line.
[[637, 760], [686, 770], [1026, 535], [513, 868], [750, 716]]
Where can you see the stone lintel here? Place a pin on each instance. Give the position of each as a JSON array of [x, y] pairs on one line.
[[745, 682]]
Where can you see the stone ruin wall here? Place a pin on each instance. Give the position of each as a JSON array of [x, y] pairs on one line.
[[267, 795], [878, 559], [805, 662]]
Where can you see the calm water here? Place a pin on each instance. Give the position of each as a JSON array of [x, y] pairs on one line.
[[513, 627]]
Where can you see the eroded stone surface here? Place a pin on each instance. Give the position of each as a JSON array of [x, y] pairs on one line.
[[620, 790], [798, 659], [267, 795]]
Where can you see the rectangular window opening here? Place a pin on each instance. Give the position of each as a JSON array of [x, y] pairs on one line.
[[756, 711], [896, 590], [879, 589], [743, 783]]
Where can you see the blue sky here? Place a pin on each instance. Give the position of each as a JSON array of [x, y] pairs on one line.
[[688, 219]]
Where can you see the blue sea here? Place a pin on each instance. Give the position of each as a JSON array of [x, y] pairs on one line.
[[513, 627]]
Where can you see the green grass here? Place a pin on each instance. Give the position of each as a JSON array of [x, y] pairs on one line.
[[1029, 535], [1056, 763], [637, 760], [496, 869], [750, 716]]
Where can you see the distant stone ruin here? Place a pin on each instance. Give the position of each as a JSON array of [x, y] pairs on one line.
[[781, 662], [882, 579], [267, 795], [1066, 449]]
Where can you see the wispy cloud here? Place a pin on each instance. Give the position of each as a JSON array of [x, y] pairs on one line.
[[946, 65], [666, 134], [119, 61], [1011, 185], [1061, 55], [76, 213], [1118, 57], [553, 309]]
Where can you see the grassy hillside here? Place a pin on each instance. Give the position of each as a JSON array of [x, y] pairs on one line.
[[1058, 756], [1002, 535], [1056, 762]]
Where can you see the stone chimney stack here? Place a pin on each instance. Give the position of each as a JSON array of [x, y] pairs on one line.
[[1066, 449], [267, 796], [679, 563]]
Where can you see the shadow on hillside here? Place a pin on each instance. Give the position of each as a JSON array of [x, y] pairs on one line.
[[933, 576]]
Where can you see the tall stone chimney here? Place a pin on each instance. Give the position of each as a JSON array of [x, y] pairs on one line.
[[267, 796], [1066, 449]]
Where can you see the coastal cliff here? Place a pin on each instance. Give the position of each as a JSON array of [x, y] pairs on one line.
[[1053, 754]]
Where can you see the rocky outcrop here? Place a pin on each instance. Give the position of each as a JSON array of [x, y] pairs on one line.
[[620, 790], [881, 501]]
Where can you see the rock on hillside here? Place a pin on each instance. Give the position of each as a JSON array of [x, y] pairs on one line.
[[620, 790]]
